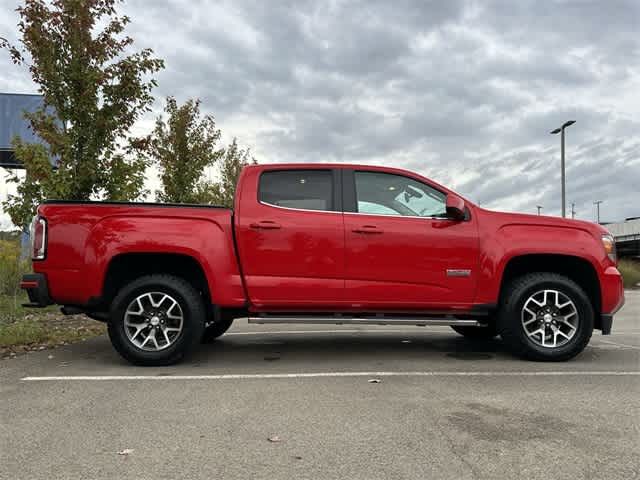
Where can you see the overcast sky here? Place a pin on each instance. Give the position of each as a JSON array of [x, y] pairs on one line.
[[462, 92]]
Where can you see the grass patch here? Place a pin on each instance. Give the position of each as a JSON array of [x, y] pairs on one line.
[[11, 308], [44, 332], [22, 333], [23, 329], [630, 271]]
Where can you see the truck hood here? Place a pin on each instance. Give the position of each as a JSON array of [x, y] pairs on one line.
[[508, 218]]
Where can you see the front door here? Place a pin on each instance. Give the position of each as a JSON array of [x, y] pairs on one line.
[[290, 236], [401, 250]]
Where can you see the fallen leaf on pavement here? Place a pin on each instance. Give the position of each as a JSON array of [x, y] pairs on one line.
[[374, 380], [126, 451], [275, 439]]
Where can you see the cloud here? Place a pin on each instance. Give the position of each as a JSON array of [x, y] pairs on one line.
[[464, 92]]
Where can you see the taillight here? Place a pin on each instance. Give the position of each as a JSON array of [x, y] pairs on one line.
[[38, 238]]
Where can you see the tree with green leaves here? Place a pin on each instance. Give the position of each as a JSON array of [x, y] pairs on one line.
[[233, 161], [183, 145], [95, 88]]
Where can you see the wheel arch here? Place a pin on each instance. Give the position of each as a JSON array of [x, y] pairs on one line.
[[126, 267], [578, 269]]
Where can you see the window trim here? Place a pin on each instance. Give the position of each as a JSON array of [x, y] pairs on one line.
[[336, 183], [397, 216], [351, 197]]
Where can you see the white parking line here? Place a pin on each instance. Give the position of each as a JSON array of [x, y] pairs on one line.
[[254, 376]]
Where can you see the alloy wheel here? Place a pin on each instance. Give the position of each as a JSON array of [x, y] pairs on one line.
[[550, 318], [153, 321]]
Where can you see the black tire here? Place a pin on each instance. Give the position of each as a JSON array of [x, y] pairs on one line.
[[193, 311], [510, 325], [477, 333], [217, 329]]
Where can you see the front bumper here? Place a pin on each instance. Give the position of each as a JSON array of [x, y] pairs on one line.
[[612, 298], [606, 319], [37, 288]]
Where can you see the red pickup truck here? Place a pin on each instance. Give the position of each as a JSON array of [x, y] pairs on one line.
[[316, 243]]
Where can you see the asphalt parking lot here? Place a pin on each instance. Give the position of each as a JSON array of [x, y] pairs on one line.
[[444, 407]]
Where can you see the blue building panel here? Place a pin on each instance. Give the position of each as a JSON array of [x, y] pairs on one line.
[[13, 123]]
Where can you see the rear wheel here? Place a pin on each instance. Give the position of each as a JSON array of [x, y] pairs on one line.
[[545, 316], [156, 320], [477, 333]]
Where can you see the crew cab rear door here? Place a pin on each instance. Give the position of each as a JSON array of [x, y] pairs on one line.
[[401, 250], [290, 237]]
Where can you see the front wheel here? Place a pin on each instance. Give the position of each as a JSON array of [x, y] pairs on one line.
[[545, 316], [156, 320]]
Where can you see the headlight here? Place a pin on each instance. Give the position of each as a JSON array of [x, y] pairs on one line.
[[609, 245]]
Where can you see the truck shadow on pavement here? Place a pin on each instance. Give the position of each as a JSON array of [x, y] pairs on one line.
[[304, 349], [326, 350], [368, 346], [355, 351]]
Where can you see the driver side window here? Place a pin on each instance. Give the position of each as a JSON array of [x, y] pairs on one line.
[[388, 194]]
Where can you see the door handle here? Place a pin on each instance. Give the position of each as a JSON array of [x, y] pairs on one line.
[[368, 229], [265, 225]]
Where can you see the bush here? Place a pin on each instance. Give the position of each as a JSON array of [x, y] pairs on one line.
[[11, 267], [630, 271]]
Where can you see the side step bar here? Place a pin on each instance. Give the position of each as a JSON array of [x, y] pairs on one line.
[[365, 320]]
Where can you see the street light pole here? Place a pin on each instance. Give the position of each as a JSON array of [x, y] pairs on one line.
[[573, 210], [597, 204], [562, 175], [539, 207]]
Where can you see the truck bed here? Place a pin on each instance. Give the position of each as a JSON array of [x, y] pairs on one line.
[[85, 237]]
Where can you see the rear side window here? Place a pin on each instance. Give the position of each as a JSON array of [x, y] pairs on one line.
[[303, 189]]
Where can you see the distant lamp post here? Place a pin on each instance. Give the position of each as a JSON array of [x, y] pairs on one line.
[[539, 207], [597, 204], [561, 132], [573, 210]]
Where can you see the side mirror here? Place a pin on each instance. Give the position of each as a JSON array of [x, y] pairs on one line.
[[455, 207]]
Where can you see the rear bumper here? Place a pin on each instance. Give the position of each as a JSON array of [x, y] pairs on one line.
[[37, 288]]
